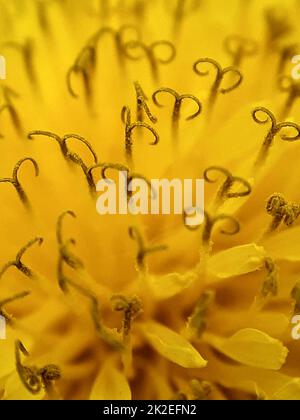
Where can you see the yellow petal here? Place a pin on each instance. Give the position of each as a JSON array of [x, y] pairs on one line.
[[251, 348], [270, 322], [244, 378], [110, 384], [165, 287], [290, 392], [285, 245], [7, 357], [173, 346], [237, 261]]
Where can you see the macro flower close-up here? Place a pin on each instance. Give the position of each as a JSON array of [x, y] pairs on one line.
[[149, 200]]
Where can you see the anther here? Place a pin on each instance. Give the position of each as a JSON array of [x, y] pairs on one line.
[[282, 211], [131, 309]]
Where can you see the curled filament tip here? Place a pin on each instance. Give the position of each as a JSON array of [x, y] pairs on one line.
[[130, 127], [153, 53], [225, 192], [143, 250], [178, 101], [264, 116], [18, 261], [16, 182], [217, 86]]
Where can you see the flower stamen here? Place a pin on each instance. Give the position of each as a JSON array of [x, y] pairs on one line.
[[84, 65], [200, 389], [9, 93], [69, 155], [142, 105], [285, 54], [270, 286], [295, 294], [119, 38], [239, 47], [130, 176], [278, 26], [274, 130], [197, 322], [181, 11], [131, 309], [33, 378], [106, 334], [282, 211], [209, 224], [143, 250], [7, 301], [292, 87], [177, 107], [216, 87], [75, 158], [19, 264], [15, 179], [65, 255], [42, 15], [225, 192], [53, 136], [129, 127], [27, 51], [150, 52]]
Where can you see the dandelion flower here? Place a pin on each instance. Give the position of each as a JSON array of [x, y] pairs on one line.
[[138, 306]]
